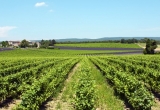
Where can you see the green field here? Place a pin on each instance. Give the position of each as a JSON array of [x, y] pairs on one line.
[[144, 44], [110, 45], [54, 53], [38, 79]]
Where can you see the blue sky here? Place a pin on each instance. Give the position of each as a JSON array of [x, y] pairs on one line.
[[57, 19]]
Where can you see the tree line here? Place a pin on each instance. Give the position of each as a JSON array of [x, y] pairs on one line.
[[151, 44], [47, 43], [4, 44], [24, 43], [43, 43], [128, 41]]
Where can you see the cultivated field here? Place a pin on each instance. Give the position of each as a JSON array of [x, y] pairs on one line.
[[142, 45], [41, 79], [104, 45]]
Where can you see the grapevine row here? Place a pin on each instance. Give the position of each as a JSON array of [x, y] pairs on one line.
[[147, 75], [85, 88], [46, 86], [14, 84], [125, 84]]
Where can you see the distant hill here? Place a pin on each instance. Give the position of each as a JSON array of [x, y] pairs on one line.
[[103, 39], [99, 39]]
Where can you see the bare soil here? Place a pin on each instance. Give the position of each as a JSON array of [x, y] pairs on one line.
[[95, 48], [10, 104], [157, 105], [5, 49]]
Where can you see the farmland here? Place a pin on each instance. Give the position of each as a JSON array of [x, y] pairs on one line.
[[57, 53], [48, 79], [105, 45]]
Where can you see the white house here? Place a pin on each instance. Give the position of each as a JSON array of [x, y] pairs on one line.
[[14, 43], [38, 44], [17, 43]]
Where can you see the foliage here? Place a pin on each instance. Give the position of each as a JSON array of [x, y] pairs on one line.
[[46, 86], [52, 42], [34, 75], [126, 84], [56, 52], [101, 45], [24, 43], [5, 43], [44, 43], [18, 80], [129, 41], [85, 95], [35, 45], [47, 43], [150, 47], [105, 98]]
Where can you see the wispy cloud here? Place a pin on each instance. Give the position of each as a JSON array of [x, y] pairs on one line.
[[5, 29], [40, 4]]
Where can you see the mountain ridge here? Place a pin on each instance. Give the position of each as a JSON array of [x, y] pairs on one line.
[[100, 39], [97, 39]]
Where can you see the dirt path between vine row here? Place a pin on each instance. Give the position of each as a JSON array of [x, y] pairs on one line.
[[55, 102], [9, 105], [157, 105], [157, 49]]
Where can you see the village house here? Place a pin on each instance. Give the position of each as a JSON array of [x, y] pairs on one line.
[[14, 43], [32, 43], [17, 43]]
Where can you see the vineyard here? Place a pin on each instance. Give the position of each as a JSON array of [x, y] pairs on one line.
[[110, 45], [48, 81]]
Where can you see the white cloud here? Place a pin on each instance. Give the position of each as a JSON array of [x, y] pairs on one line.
[[5, 29], [39, 4]]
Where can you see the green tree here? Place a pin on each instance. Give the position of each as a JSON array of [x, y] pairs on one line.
[[5, 44], [35, 45], [122, 40], [44, 43], [24, 43], [47, 43], [52, 42], [151, 45]]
